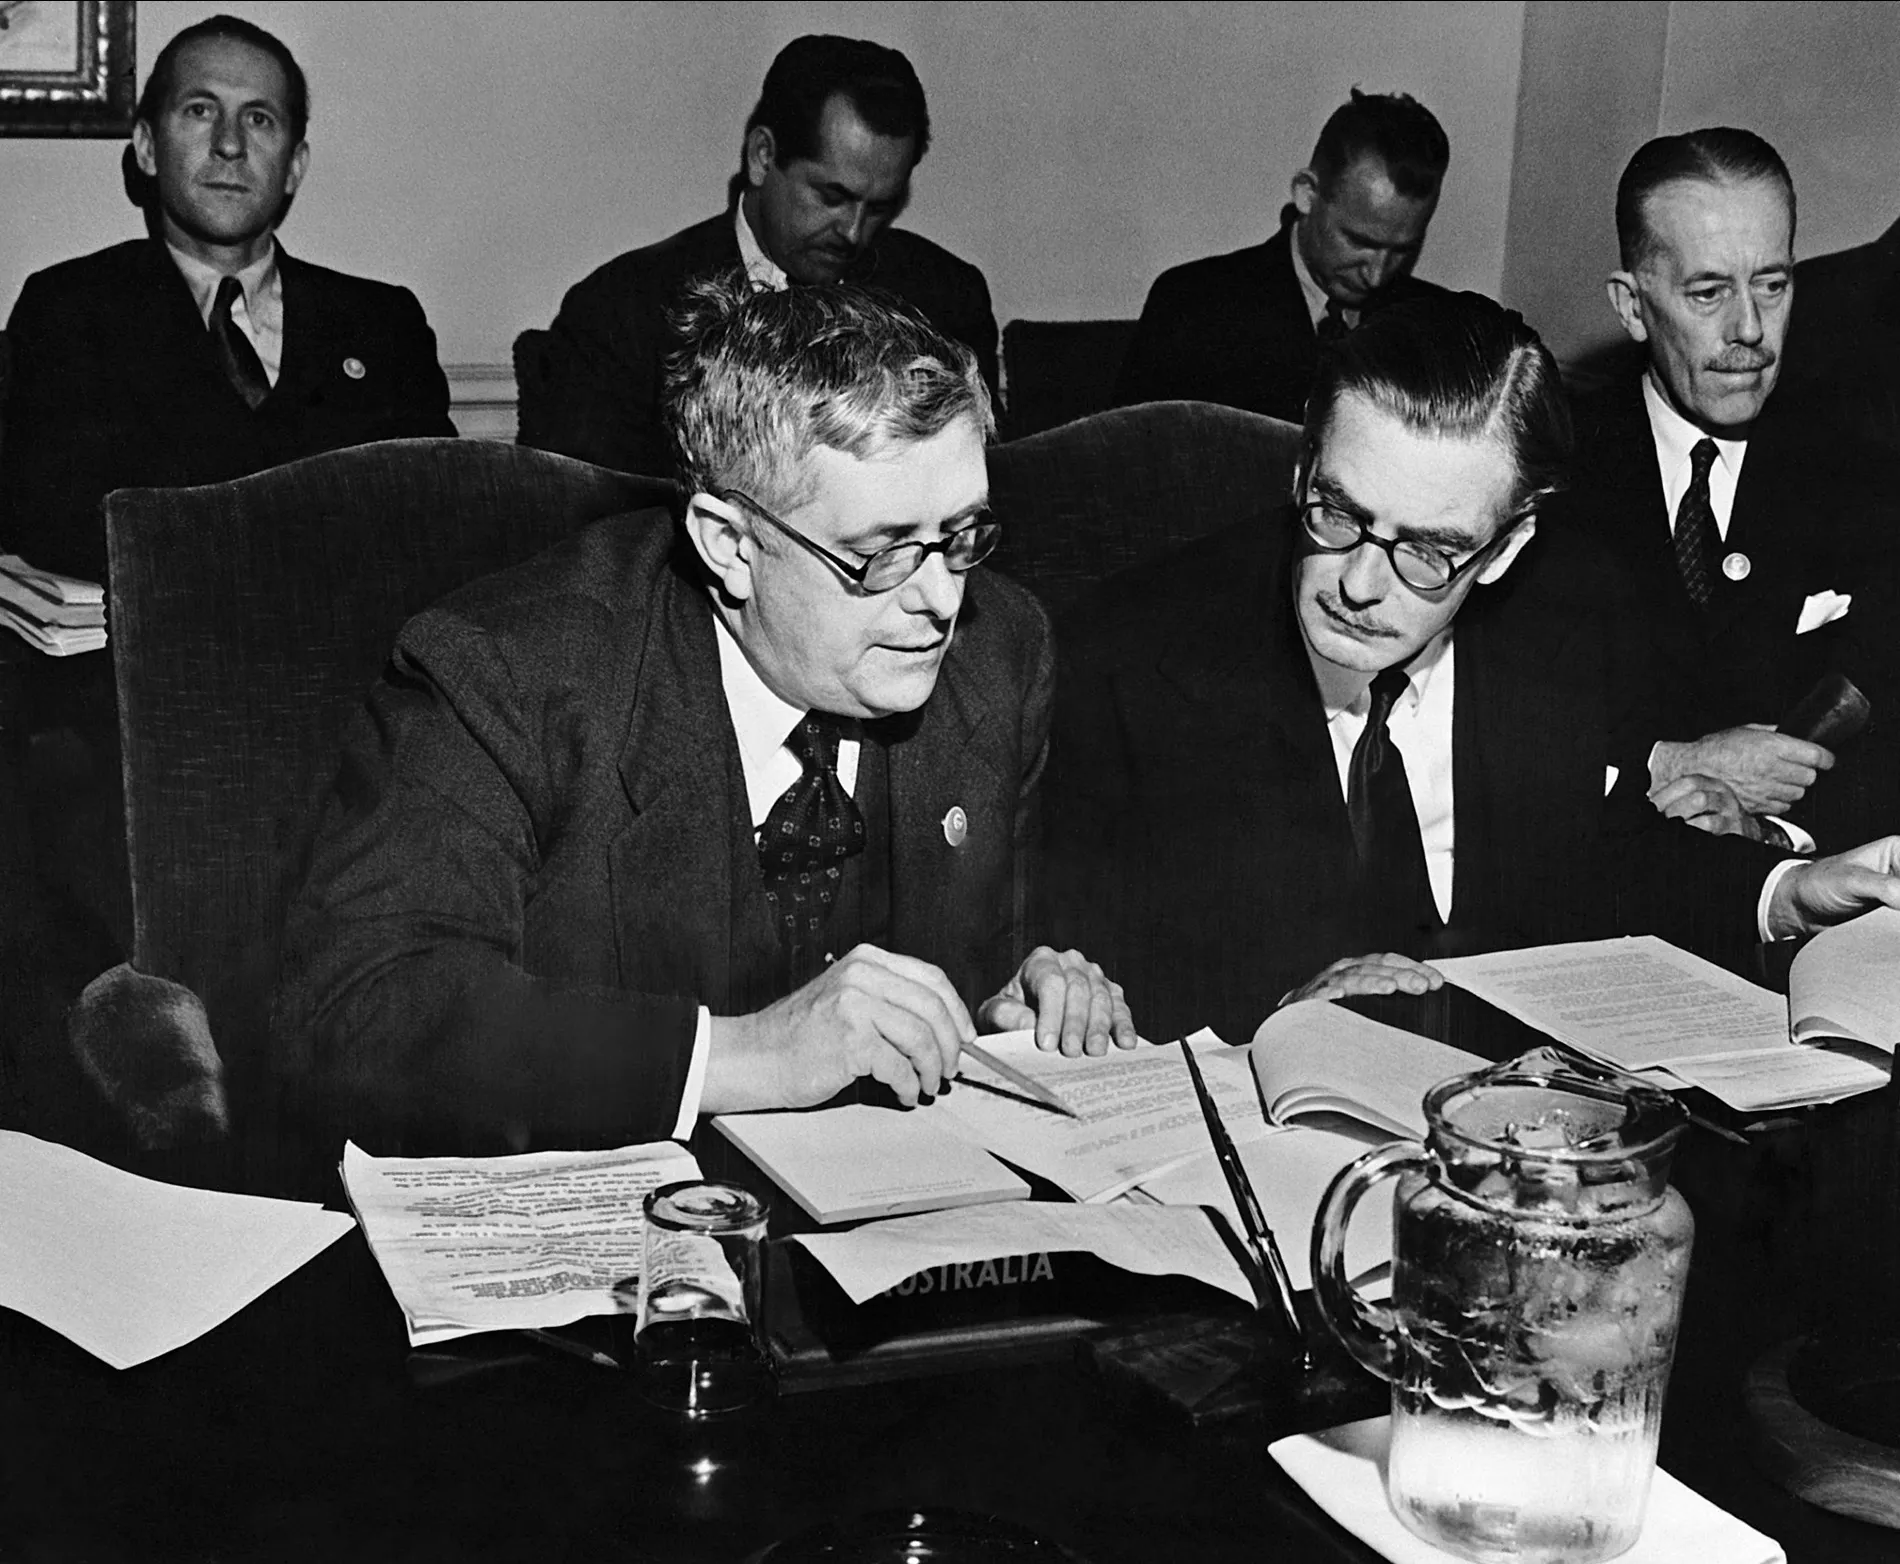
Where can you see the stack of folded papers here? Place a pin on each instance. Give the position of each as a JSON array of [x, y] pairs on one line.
[[60, 615]]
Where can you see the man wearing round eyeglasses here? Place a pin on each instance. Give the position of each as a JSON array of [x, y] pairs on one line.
[[707, 812], [1395, 719]]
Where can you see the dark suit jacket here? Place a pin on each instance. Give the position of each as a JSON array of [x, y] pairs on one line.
[[1814, 512], [1234, 329], [537, 859], [1198, 841], [610, 340], [114, 385], [1843, 347]]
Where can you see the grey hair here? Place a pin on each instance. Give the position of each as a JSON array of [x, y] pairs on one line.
[[765, 376]]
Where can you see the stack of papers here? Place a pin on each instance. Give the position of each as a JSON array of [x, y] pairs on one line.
[[1137, 1111], [856, 1161], [130, 1268], [1643, 1005], [470, 1244], [1149, 1240], [58, 615]]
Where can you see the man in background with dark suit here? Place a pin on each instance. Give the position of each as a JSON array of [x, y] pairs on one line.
[[611, 815], [200, 353], [204, 352], [1245, 329], [1758, 530], [1390, 721], [824, 170]]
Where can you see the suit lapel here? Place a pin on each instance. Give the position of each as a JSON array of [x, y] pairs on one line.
[[309, 337], [1516, 661], [674, 867], [1240, 688], [1288, 298], [951, 755], [173, 320]]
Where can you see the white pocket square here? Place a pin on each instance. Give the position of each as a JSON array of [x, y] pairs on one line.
[[1822, 609]]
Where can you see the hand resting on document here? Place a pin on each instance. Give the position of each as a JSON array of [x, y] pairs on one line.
[[899, 1020], [1385, 972], [1814, 896], [1769, 771]]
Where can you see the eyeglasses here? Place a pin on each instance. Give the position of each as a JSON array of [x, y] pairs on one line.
[[891, 567], [1419, 565]]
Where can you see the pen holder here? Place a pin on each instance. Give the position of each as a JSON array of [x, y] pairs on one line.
[[697, 1348]]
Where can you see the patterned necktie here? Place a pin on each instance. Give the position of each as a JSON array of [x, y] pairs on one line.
[[235, 355], [1394, 884], [1697, 541], [1332, 325], [809, 833]]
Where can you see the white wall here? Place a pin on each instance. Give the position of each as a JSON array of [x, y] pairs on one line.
[[1822, 82], [489, 155], [1818, 80]]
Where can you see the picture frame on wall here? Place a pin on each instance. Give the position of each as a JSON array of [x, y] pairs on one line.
[[67, 67]]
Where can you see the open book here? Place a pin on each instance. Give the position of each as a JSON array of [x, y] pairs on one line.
[[1318, 1064], [1845, 984], [1643, 1005]]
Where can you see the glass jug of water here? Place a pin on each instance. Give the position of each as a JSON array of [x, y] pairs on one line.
[[1539, 1258]]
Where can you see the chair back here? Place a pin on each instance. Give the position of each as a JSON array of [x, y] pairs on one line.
[[534, 373], [1057, 371], [1123, 487], [248, 619]]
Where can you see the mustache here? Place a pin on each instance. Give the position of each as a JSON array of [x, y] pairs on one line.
[[1741, 360], [1369, 627]]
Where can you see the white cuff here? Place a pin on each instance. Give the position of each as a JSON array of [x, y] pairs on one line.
[[1767, 895], [1798, 840], [696, 1076]]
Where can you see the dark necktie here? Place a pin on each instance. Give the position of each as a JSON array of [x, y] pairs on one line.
[[809, 833], [235, 355], [1332, 325], [1394, 886], [1697, 542]]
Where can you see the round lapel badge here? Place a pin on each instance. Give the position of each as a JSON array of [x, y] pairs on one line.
[[354, 368], [956, 826], [1736, 567]]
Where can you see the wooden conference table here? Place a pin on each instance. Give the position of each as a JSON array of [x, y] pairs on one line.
[[304, 1429]]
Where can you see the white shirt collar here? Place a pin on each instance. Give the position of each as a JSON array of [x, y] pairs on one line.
[[1676, 439], [760, 718], [1316, 296], [762, 722], [759, 266], [1343, 690], [260, 280]]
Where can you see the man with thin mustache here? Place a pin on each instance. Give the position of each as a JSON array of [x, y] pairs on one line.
[[1391, 720], [1758, 531]]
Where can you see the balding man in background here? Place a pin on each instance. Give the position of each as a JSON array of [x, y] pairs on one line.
[[1245, 329]]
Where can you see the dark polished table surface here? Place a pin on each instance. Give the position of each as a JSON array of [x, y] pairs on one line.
[[303, 1428]]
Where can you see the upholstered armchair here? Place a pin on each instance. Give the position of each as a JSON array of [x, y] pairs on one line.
[[1095, 496], [247, 620]]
